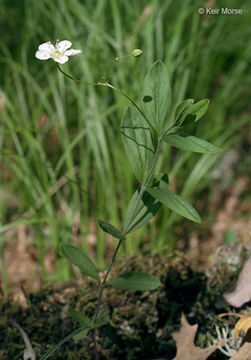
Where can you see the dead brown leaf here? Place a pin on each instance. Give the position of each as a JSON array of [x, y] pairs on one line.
[[184, 338], [242, 291]]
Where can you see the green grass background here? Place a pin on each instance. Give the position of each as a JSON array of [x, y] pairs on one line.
[[61, 154]]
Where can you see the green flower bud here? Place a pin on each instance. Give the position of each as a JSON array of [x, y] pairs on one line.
[[137, 52]]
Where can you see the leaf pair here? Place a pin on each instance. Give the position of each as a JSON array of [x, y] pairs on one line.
[[127, 281], [152, 201]]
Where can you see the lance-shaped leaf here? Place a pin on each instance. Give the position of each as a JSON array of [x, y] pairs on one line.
[[191, 112], [147, 207], [110, 229], [82, 334], [137, 141], [190, 143], [175, 203], [80, 317], [135, 281], [82, 261], [157, 96]]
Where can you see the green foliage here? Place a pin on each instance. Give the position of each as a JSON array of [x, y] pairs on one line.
[[137, 141], [60, 139], [110, 229], [190, 143], [147, 208], [135, 281], [180, 110], [81, 260], [175, 203], [80, 317], [188, 113], [157, 96]]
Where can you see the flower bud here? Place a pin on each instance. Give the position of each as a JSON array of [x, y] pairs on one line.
[[137, 52]]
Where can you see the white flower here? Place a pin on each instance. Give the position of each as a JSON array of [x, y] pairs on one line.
[[58, 53]]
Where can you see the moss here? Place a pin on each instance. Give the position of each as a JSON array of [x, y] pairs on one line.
[[140, 324]]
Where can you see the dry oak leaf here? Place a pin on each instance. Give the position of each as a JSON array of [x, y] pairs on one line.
[[242, 291], [184, 338]]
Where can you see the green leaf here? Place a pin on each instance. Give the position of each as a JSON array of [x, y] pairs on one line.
[[190, 143], [80, 317], [147, 208], [110, 229], [193, 113], [82, 261], [102, 313], [175, 203], [82, 334], [135, 281], [157, 96], [99, 323], [180, 110], [137, 141]]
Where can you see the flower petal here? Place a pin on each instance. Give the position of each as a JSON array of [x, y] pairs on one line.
[[63, 59], [43, 55], [46, 47], [72, 52], [64, 45]]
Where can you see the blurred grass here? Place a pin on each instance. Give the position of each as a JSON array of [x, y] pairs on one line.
[[61, 153]]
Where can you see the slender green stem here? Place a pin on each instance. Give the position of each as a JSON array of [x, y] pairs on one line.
[[134, 104], [111, 65], [106, 84], [101, 289], [144, 185], [80, 81], [141, 193]]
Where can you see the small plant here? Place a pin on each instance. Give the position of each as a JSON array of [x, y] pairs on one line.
[[145, 128]]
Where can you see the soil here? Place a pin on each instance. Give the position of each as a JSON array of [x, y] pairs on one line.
[[139, 324]]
